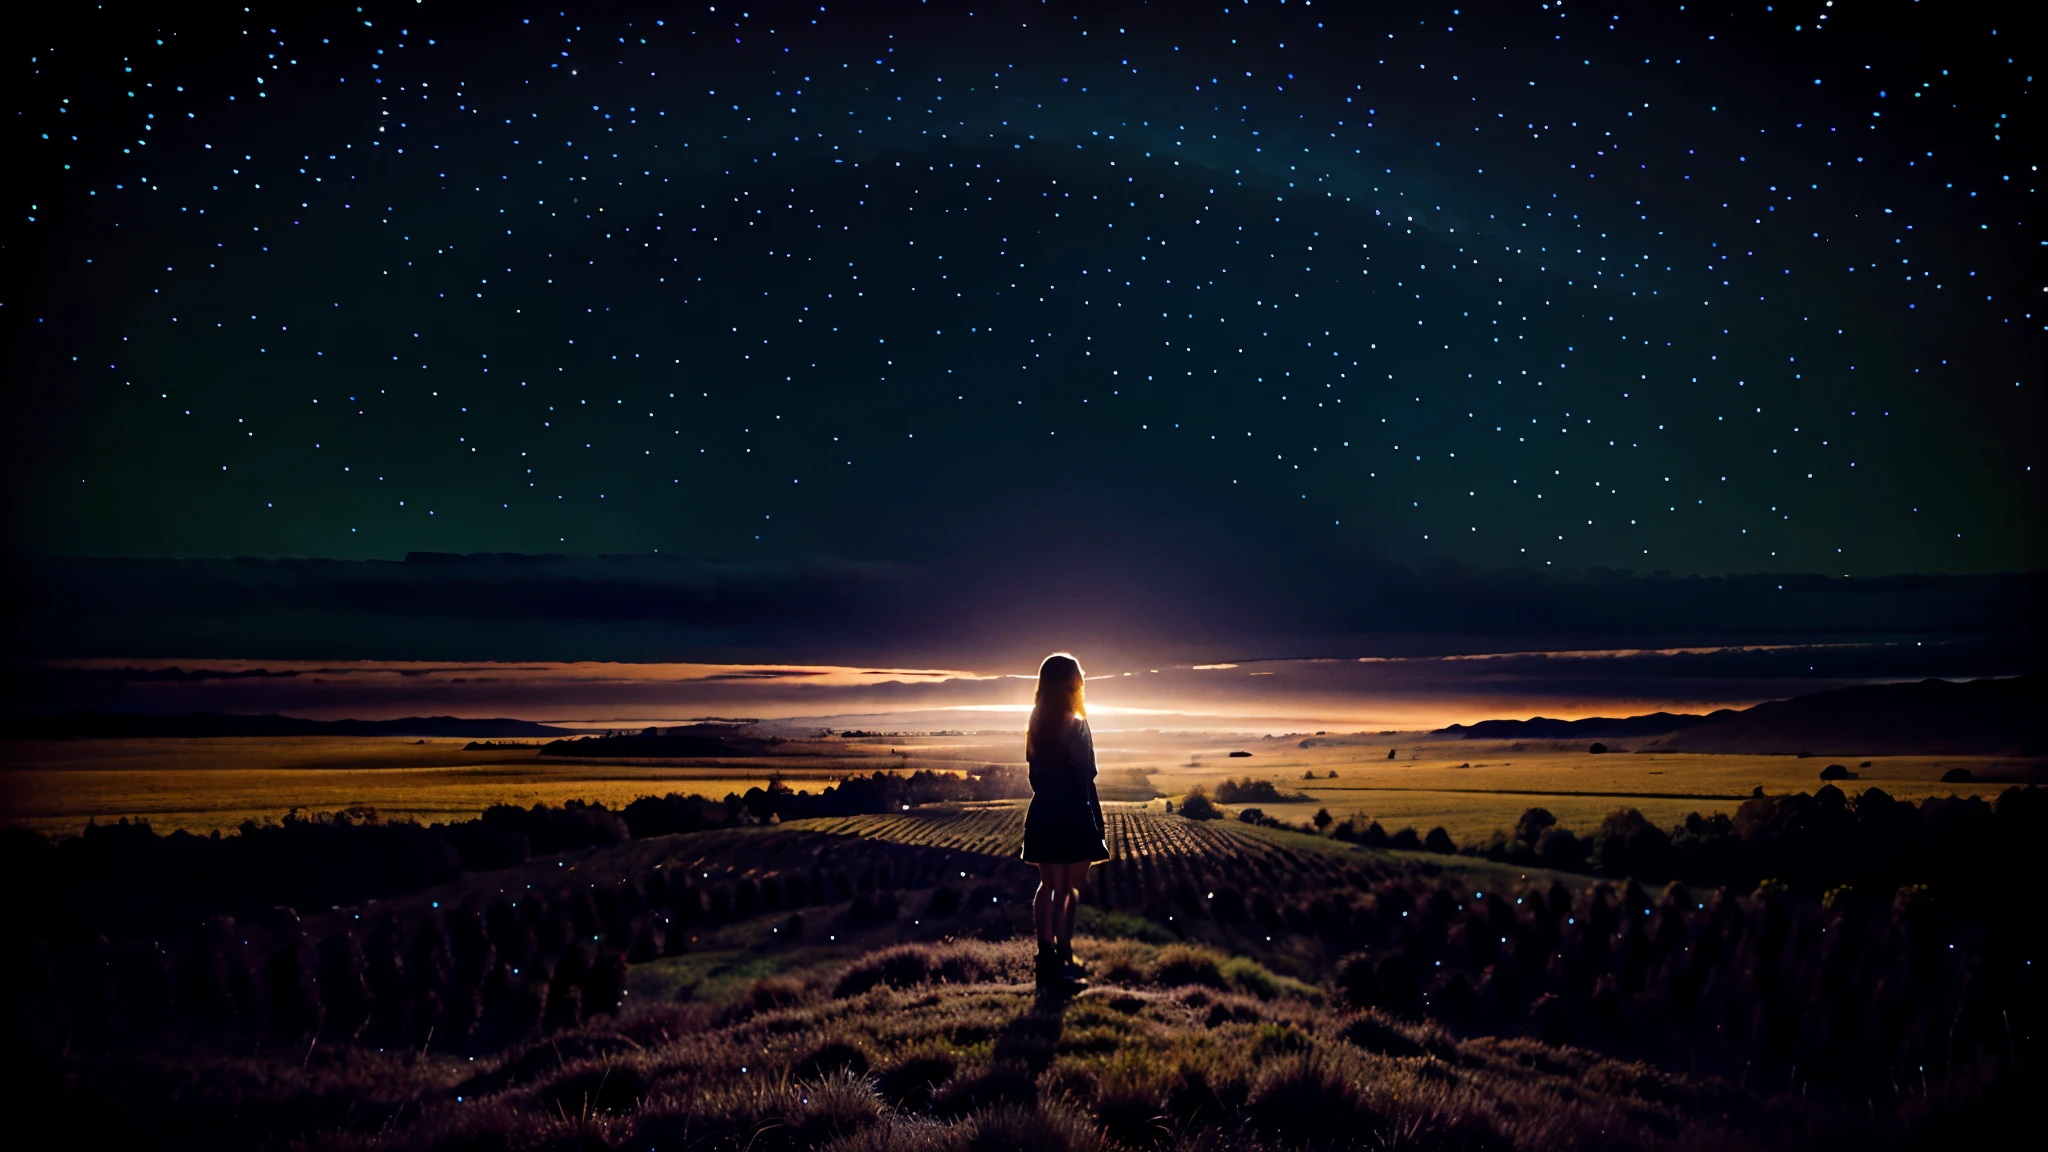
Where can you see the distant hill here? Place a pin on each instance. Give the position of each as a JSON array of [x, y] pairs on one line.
[[686, 740], [131, 725], [1929, 718], [1591, 728]]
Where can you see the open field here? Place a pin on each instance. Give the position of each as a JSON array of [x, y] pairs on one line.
[[202, 785], [1470, 788]]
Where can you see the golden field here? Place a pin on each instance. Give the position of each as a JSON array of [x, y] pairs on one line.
[[1472, 787], [1468, 787]]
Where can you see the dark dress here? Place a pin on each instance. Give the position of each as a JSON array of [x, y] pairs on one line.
[[1064, 825]]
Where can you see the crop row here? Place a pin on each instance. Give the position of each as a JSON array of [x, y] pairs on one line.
[[986, 831], [492, 959]]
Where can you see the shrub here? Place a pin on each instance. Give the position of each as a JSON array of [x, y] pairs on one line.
[[989, 1086], [1182, 964], [1559, 848], [1247, 975], [833, 1057], [908, 965], [1280, 1039], [1197, 805], [1439, 841], [1130, 1103], [1248, 791], [1406, 838], [1308, 1099], [1355, 978], [1530, 827], [911, 1079], [1835, 772], [835, 1105], [1378, 1032], [1629, 845], [772, 993], [1052, 1128]]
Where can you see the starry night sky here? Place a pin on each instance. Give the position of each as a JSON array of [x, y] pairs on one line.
[[1118, 296]]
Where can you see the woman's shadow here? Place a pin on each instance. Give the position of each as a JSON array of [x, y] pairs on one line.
[[1022, 1051], [1031, 1038]]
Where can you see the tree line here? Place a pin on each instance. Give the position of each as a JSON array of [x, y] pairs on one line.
[[127, 881]]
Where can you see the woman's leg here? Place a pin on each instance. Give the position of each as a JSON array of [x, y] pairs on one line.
[[1071, 878], [1045, 903]]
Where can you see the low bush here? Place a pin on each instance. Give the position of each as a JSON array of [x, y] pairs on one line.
[[908, 965], [911, 1078], [1196, 805], [1249, 791], [1309, 1100], [986, 1087], [1182, 964], [830, 1106]]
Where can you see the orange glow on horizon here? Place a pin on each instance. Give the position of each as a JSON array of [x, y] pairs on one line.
[[1383, 693]]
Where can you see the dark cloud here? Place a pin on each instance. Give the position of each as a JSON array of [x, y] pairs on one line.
[[968, 614]]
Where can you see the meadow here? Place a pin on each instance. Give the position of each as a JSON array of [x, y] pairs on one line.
[[1470, 788]]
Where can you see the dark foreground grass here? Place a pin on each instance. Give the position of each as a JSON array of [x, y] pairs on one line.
[[935, 1046]]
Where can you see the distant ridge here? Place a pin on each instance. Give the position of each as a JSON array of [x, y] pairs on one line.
[[1990, 717], [1593, 727], [687, 740], [1929, 718], [131, 725]]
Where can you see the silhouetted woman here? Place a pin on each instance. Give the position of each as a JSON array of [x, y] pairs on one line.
[[1063, 830]]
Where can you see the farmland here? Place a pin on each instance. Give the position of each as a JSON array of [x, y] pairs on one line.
[[1470, 788], [203, 785]]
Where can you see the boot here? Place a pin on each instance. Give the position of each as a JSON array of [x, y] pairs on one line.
[[1070, 972], [1048, 965]]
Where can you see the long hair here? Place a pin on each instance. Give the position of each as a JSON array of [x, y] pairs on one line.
[[1059, 696]]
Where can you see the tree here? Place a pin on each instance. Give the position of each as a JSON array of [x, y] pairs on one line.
[[1530, 827], [1559, 848], [1323, 819], [1196, 805], [1439, 841]]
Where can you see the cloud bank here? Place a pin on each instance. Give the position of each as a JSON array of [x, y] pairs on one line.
[[624, 638]]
